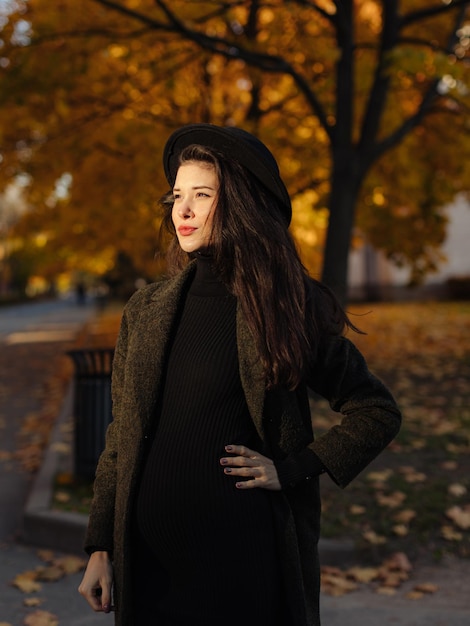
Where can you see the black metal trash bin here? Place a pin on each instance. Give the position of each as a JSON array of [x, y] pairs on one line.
[[91, 406]]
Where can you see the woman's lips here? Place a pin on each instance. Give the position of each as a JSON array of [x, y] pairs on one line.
[[186, 230]]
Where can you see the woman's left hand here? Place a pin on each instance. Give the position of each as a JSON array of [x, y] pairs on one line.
[[258, 470]]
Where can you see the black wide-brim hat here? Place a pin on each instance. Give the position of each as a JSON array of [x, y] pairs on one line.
[[236, 144]]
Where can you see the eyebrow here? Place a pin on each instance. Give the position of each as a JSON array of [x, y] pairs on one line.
[[197, 187]]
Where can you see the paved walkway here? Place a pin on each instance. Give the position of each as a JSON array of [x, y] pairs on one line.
[[33, 341], [30, 347]]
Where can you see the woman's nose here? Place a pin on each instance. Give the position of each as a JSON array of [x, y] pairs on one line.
[[184, 209]]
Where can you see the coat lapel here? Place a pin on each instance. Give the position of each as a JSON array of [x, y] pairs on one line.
[[152, 335]]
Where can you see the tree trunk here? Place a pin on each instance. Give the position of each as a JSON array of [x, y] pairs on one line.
[[345, 187]]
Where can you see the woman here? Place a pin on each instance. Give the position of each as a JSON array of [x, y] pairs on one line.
[[206, 506]]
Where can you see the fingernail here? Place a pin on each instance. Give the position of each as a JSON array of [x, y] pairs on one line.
[[106, 608], [227, 470], [229, 448], [224, 461]]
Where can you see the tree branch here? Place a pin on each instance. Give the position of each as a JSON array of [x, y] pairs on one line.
[[136, 15], [92, 32], [429, 97], [416, 41], [219, 45], [378, 93], [420, 14]]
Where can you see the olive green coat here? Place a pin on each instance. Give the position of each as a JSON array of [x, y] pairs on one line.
[[282, 419]]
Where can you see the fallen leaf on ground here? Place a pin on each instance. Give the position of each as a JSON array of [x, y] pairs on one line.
[[62, 496], [335, 582], [26, 582], [404, 516], [372, 537], [460, 516], [29, 602], [50, 574], [41, 618], [392, 500], [71, 564], [398, 561], [46, 555], [450, 534], [401, 530], [363, 574], [386, 591], [380, 476], [457, 490], [357, 509], [426, 587]]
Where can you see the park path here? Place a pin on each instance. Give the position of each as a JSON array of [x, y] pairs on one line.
[[34, 372]]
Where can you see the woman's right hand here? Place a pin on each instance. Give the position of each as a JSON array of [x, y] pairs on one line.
[[97, 582]]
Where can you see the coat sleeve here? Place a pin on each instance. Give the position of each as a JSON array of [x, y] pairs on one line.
[[101, 520], [370, 417]]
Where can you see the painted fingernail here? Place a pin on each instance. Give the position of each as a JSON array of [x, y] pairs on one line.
[[229, 448], [106, 608], [224, 461], [227, 470]]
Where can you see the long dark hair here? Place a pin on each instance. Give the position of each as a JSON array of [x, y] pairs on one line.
[[288, 312]]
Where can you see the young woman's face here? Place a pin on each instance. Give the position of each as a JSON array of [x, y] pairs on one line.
[[195, 197]]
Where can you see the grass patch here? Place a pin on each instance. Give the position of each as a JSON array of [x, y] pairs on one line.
[[416, 496], [71, 494]]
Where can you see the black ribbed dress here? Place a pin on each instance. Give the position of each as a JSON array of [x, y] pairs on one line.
[[205, 552]]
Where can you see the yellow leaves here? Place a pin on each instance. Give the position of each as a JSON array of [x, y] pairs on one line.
[[373, 538], [421, 590], [380, 477], [385, 579], [401, 530], [357, 509], [392, 500], [62, 497], [398, 562], [55, 569], [363, 574], [265, 16], [26, 582], [460, 516], [457, 490], [393, 572], [32, 602], [70, 564], [117, 51], [30, 582], [50, 574], [335, 582], [450, 534], [405, 516], [41, 618]]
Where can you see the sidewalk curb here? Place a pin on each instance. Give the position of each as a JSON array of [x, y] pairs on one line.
[[42, 526], [65, 531]]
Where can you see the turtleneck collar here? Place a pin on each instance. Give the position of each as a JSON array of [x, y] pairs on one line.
[[206, 282]]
